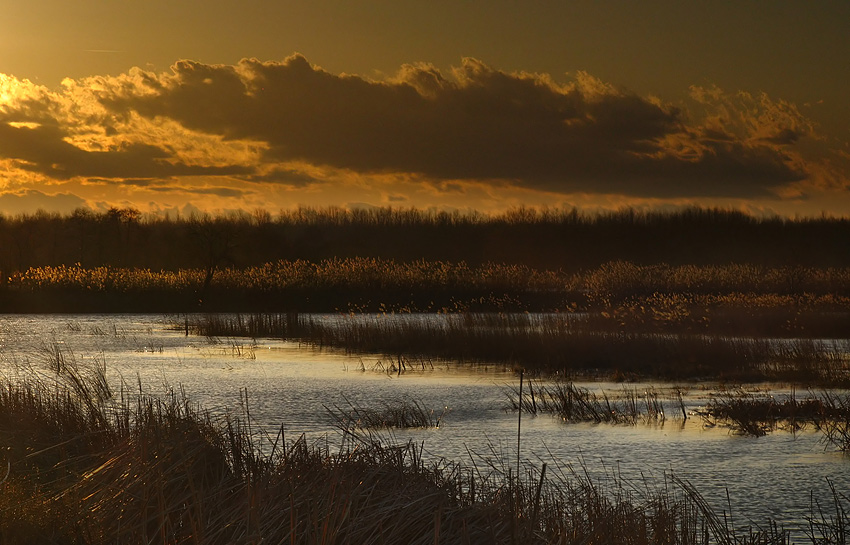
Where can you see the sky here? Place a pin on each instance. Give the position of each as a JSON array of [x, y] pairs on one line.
[[182, 107]]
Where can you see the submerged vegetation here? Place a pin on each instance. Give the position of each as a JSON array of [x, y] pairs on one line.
[[86, 467]]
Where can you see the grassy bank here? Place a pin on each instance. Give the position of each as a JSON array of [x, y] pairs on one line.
[[87, 468]]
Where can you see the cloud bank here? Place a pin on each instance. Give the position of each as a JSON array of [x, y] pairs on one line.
[[291, 123]]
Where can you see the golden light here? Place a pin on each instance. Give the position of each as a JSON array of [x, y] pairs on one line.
[[5, 89], [24, 124]]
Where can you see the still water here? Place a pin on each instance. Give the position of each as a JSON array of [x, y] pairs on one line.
[[294, 386]]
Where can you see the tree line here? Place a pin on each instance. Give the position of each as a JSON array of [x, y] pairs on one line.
[[542, 239]]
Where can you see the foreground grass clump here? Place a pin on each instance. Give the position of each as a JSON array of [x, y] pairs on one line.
[[140, 469], [558, 343]]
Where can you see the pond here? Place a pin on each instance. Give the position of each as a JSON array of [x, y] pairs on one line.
[[297, 387]]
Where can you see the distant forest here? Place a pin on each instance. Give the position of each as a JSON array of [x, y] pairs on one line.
[[564, 240]]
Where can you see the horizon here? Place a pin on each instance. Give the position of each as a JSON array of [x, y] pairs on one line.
[[596, 107]]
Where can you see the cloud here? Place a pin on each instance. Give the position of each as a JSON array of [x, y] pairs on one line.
[[291, 123], [478, 123], [30, 200], [752, 118], [283, 175], [44, 149], [227, 192]]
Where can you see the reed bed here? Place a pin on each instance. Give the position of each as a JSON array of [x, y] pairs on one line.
[[731, 299], [738, 314], [561, 344], [142, 469], [612, 281]]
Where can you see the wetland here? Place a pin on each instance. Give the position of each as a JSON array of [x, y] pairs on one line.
[[356, 376]]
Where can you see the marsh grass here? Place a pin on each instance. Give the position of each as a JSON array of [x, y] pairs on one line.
[[400, 365], [573, 403], [234, 348], [757, 414], [558, 343], [830, 523], [398, 413], [143, 469], [836, 429]]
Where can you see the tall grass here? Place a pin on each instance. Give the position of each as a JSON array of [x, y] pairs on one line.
[[142, 469]]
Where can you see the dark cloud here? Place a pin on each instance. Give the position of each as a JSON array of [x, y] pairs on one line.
[[227, 192], [479, 124], [724, 170], [271, 122], [45, 150], [282, 176], [784, 137]]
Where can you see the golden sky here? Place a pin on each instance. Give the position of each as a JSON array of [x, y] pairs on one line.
[[218, 105]]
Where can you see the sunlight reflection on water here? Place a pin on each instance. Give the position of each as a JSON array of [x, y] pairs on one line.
[[292, 386]]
